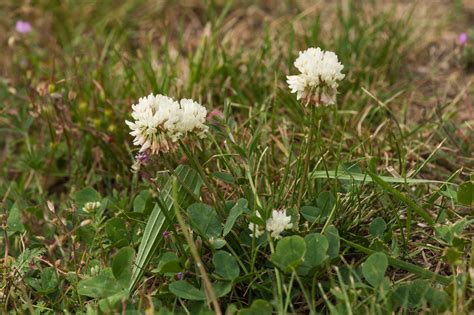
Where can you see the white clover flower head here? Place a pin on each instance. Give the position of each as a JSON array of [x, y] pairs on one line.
[[256, 228], [159, 122], [278, 222], [193, 118], [155, 125], [318, 80], [91, 207]]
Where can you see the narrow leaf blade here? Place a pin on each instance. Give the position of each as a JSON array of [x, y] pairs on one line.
[[153, 235]]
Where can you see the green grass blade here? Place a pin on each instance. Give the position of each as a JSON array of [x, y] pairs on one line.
[[397, 263], [157, 223], [410, 203], [359, 177]]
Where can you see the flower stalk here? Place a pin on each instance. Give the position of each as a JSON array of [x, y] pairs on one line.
[[214, 193], [316, 85], [309, 151]]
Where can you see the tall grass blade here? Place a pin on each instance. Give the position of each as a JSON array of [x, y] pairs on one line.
[[410, 203], [364, 178], [153, 236]]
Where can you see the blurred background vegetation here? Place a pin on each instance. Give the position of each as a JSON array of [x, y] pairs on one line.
[[67, 86]]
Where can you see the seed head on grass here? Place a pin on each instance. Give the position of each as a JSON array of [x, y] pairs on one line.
[[318, 81]]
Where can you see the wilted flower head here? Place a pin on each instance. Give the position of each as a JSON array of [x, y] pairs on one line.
[[320, 73], [278, 222], [462, 39], [160, 121], [22, 27]]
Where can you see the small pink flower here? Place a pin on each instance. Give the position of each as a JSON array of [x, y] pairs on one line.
[[166, 234], [215, 113], [22, 27], [462, 39]]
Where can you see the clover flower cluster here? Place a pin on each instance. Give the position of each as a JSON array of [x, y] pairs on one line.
[[159, 122], [318, 80], [275, 225]]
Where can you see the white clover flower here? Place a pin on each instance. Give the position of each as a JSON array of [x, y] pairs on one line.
[[278, 223], [193, 117], [155, 125], [91, 207], [320, 73], [161, 121]]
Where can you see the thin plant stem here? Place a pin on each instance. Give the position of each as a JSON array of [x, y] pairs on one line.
[[194, 252], [455, 293], [182, 183], [329, 219], [166, 213], [344, 293], [214, 193], [278, 279], [309, 149], [307, 298], [288, 292], [171, 223]]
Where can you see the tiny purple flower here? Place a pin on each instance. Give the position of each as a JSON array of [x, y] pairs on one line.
[[462, 39], [22, 27], [142, 157], [166, 234], [180, 275]]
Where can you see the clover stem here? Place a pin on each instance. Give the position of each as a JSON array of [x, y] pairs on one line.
[[214, 193], [309, 149]]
